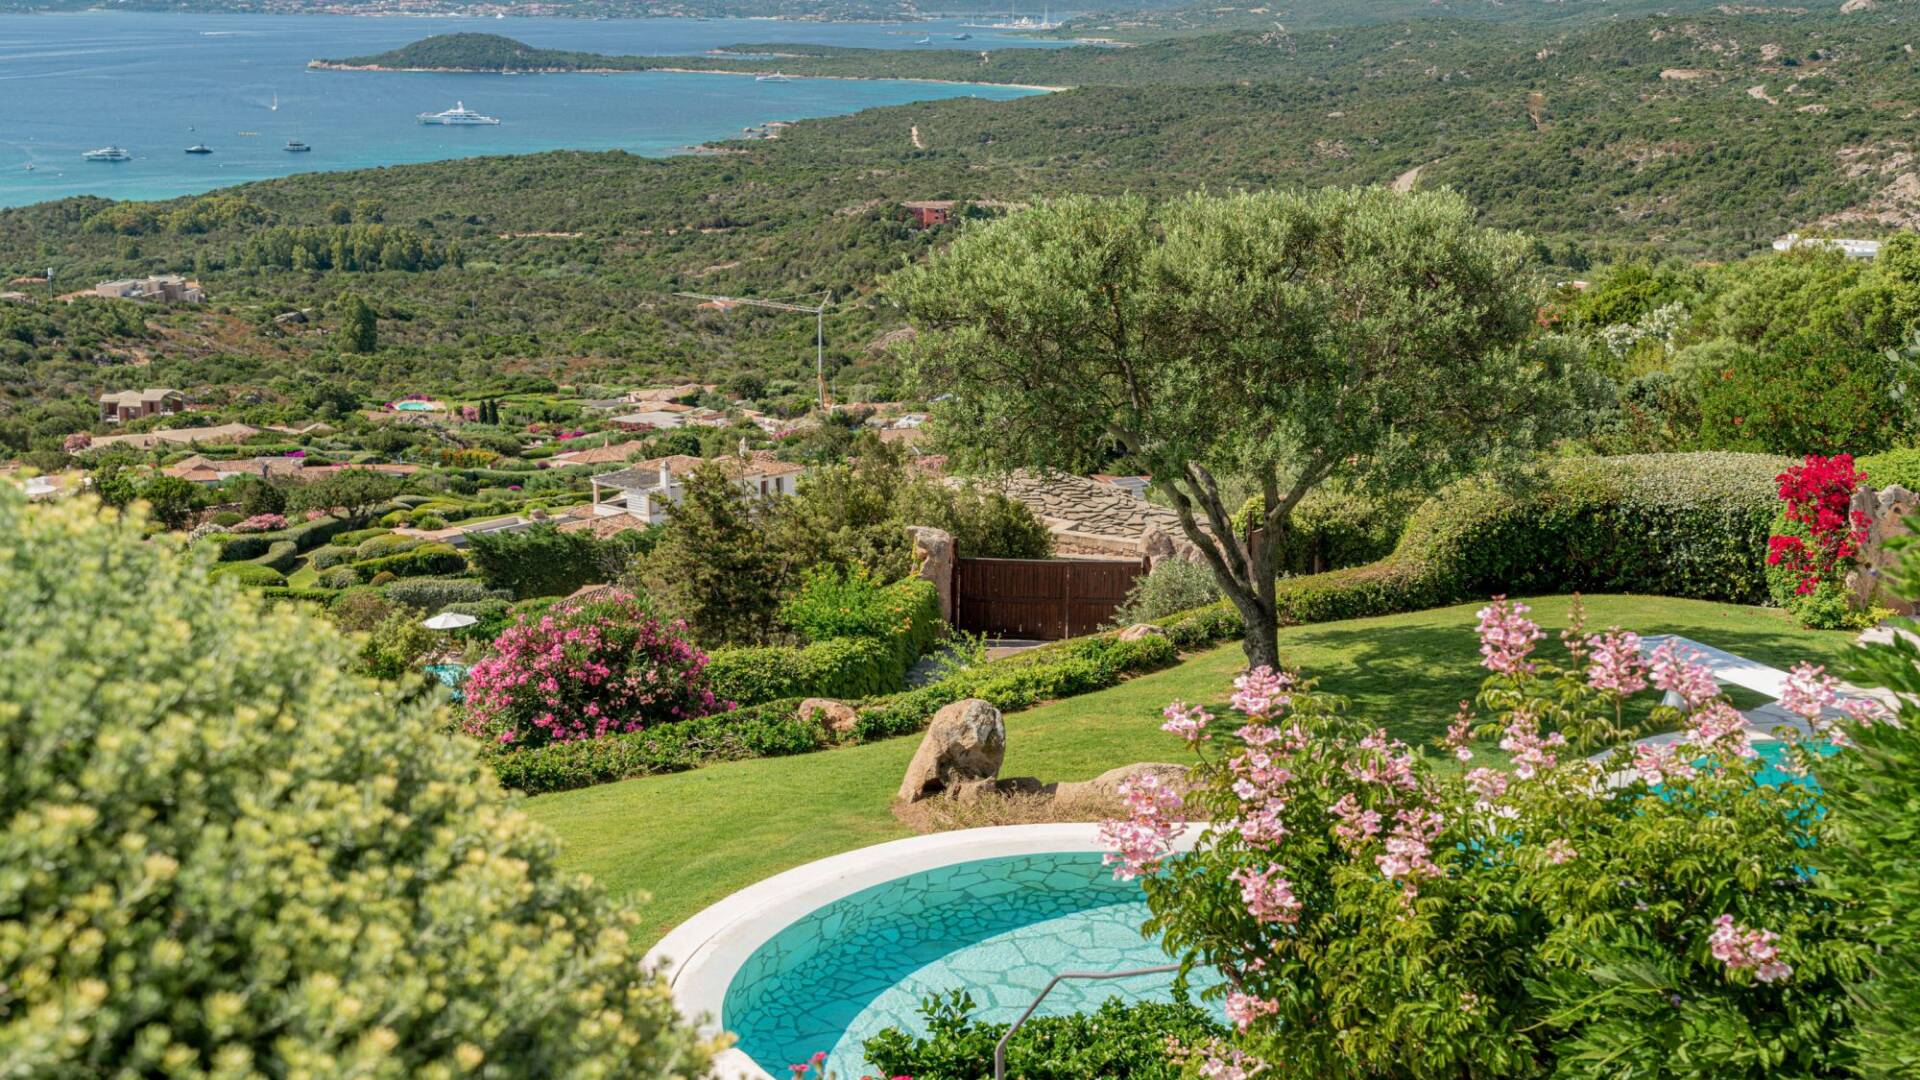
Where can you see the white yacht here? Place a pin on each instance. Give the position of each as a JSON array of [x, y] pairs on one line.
[[458, 116], [775, 77], [108, 153]]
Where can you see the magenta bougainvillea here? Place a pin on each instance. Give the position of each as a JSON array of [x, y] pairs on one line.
[[586, 670], [261, 523], [1819, 498]]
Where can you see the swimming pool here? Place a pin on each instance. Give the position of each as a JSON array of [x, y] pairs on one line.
[[414, 406], [1000, 928]]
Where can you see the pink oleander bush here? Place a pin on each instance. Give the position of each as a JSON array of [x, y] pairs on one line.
[[586, 670], [1525, 914], [261, 523]]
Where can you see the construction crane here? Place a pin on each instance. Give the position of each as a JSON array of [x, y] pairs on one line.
[[818, 311]]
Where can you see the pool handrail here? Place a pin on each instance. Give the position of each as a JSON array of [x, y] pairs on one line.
[[1000, 1048]]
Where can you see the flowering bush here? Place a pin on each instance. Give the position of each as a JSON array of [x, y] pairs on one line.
[[581, 671], [261, 523], [1819, 495], [1650, 914]]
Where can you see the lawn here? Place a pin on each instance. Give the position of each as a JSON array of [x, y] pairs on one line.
[[691, 838]]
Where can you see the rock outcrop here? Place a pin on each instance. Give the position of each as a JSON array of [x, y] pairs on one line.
[[1107, 784], [837, 717], [965, 742], [1886, 511]]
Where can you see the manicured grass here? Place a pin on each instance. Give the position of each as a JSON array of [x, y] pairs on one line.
[[691, 838]]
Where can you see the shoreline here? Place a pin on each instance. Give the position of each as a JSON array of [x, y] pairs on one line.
[[330, 65]]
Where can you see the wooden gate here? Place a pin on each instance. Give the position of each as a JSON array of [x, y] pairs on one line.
[[1043, 599]]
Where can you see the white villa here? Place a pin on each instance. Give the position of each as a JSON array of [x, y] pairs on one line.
[[1852, 249], [647, 488]]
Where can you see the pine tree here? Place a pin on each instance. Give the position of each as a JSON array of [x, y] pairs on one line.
[[360, 330]]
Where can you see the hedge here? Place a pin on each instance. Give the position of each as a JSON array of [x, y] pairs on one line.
[[837, 667], [433, 594], [281, 555], [430, 560], [247, 574], [1893, 467], [773, 729], [322, 597], [1687, 525], [305, 536]]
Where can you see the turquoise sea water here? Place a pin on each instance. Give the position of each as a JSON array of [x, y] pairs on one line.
[[158, 83], [997, 928]]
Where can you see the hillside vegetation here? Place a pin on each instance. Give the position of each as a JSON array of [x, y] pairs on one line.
[[1702, 137]]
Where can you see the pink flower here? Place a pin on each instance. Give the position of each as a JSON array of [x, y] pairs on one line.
[[1865, 711], [1229, 1063], [1682, 674], [1357, 823], [1190, 723], [1507, 637], [1719, 726], [1615, 666], [1809, 692], [1269, 897], [1559, 852], [1138, 842], [1460, 733], [1488, 784], [1261, 693], [1658, 764], [1743, 948], [1245, 1009]]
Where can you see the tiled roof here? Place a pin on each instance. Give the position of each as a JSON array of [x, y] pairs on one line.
[[1077, 504], [599, 455]]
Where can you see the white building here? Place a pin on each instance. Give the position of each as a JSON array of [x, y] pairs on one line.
[[1852, 249], [647, 488], [167, 287]]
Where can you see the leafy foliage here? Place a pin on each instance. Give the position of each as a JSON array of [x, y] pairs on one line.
[[177, 747], [1117, 1041]]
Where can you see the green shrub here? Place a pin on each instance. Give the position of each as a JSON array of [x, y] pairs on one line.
[[429, 521], [494, 616], [433, 594], [281, 555], [247, 574], [345, 577], [1119, 1041], [543, 561], [832, 603], [428, 560], [226, 855], [1895, 467], [228, 517], [904, 618], [277, 593], [396, 518], [385, 544], [240, 547], [1332, 530], [1169, 588], [358, 536], [328, 557]]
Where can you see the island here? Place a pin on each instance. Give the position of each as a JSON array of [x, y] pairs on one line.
[[494, 53]]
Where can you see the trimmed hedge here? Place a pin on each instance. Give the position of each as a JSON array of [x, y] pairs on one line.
[[307, 535], [428, 560], [433, 594], [772, 729], [1901, 467], [837, 667], [247, 574], [281, 555], [1687, 525]]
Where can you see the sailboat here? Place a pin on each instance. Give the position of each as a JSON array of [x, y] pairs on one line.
[[928, 40], [775, 77], [275, 107]]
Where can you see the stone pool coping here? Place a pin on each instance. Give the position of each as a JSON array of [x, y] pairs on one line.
[[701, 956]]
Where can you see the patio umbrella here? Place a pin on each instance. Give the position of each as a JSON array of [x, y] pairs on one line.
[[449, 620]]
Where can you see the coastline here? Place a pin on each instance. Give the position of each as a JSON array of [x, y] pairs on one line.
[[330, 65]]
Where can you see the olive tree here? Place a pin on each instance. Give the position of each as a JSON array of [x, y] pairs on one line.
[[1258, 343]]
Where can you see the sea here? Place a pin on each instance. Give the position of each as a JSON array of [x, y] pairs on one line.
[[157, 83]]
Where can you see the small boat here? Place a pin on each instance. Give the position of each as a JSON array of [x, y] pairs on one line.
[[928, 40], [29, 166], [199, 148], [108, 153], [963, 37], [275, 107], [249, 134], [295, 146], [775, 77]]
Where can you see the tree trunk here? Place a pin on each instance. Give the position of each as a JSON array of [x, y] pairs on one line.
[[1262, 627]]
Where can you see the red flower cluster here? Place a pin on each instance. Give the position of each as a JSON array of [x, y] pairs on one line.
[[1819, 496]]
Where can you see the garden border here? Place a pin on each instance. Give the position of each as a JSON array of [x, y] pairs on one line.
[[701, 956]]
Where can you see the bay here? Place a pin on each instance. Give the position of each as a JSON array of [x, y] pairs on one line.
[[156, 83]]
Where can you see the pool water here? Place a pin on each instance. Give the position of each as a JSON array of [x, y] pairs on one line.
[[414, 406], [997, 928]]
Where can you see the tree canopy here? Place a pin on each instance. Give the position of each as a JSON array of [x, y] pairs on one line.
[[1270, 340]]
